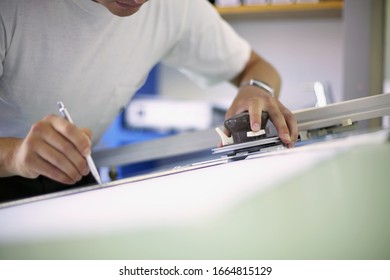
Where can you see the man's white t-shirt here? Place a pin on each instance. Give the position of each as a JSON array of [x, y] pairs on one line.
[[78, 52]]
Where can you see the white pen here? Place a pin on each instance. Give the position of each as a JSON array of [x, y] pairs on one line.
[[64, 112]]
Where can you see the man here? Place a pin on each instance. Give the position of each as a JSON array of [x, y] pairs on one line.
[[94, 55]]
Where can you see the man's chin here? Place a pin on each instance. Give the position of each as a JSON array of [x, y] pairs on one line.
[[121, 9], [123, 13]]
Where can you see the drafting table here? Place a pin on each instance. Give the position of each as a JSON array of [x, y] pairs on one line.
[[326, 200]]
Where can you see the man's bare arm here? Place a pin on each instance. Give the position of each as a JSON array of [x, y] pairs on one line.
[[255, 100]]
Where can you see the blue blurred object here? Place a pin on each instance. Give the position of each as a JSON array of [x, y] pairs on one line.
[[118, 134]]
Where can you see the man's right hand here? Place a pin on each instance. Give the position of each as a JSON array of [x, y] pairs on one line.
[[54, 148]]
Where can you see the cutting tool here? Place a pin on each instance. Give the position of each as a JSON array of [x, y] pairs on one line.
[[243, 141]]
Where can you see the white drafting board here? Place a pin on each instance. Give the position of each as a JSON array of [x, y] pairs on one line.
[[184, 198]]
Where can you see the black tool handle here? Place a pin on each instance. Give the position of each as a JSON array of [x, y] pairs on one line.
[[239, 125]]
